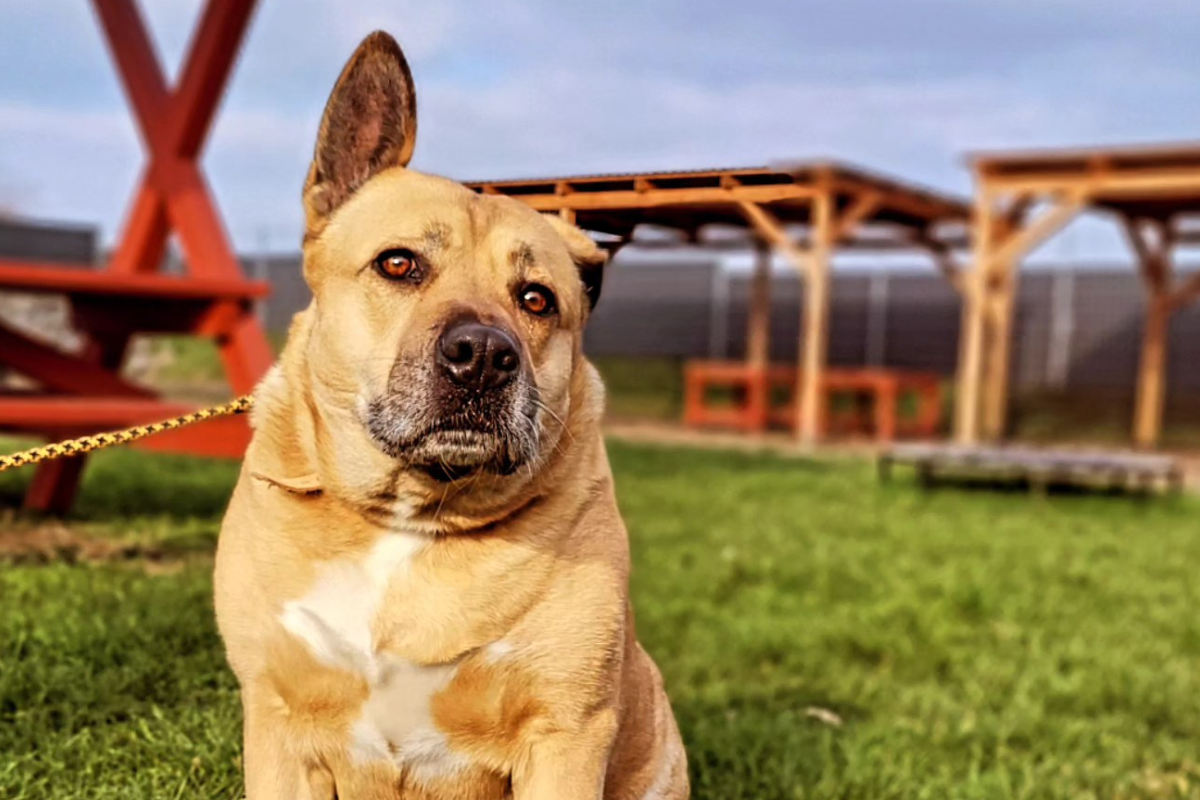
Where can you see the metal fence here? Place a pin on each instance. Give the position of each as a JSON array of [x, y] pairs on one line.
[[1076, 329]]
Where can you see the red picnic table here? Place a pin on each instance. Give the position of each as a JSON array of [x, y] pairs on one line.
[[765, 395], [85, 392]]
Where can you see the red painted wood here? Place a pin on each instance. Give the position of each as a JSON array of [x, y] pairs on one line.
[[218, 438], [213, 299], [881, 388], [92, 413], [54, 485], [55, 279], [59, 371], [56, 418]]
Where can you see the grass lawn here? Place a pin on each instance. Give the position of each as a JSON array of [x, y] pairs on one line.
[[970, 645]]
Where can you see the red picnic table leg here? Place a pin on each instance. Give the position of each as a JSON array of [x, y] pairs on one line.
[[887, 400], [172, 194]]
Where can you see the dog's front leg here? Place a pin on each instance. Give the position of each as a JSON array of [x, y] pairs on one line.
[[568, 764], [272, 771]]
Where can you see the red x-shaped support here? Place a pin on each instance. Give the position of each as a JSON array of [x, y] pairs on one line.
[[172, 193]]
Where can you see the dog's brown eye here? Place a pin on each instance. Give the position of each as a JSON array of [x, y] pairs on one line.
[[537, 299], [397, 265]]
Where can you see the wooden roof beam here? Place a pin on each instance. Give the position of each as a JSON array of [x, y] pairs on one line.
[[1026, 238], [943, 259], [771, 230], [658, 196], [864, 206], [898, 198], [1117, 183], [1151, 240]]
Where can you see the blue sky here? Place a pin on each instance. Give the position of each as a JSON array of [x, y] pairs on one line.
[[536, 87]]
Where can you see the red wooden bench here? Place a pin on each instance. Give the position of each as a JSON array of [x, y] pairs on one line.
[[765, 397], [84, 392]]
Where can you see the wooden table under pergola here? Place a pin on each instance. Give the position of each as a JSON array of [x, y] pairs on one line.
[[1023, 198], [805, 211]]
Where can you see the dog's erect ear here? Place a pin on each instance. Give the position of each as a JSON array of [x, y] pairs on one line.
[[587, 255], [370, 124]]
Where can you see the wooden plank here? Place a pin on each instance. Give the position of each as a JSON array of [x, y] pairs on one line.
[[94, 412], [859, 211], [1038, 468], [1118, 184], [52, 278], [59, 371]]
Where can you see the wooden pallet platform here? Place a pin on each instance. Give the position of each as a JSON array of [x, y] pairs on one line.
[[1039, 469]]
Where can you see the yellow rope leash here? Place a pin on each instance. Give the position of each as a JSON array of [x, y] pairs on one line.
[[86, 444]]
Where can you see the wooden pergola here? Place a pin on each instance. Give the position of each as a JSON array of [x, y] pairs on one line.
[[804, 210], [1022, 199]]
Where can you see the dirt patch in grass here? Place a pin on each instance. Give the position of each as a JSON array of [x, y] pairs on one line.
[[55, 542]]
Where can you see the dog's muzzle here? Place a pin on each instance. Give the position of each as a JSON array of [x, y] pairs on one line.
[[472, 409]]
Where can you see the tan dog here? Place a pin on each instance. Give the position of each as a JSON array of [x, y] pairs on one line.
[[422, 577]]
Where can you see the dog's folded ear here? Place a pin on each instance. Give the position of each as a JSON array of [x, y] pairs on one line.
[[587, 255], [369, 125]]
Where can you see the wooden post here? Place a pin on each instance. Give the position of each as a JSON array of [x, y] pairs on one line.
[[972, 334], [998, 361], [758, 323], [1154, 259], [1148, 415], [814, 343]]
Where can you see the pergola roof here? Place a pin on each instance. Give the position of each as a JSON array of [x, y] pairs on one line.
[[1139, 181], [691, 200]]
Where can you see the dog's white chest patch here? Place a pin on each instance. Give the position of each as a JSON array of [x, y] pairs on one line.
[[334, 619]]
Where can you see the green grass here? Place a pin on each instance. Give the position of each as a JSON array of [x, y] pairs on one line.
[[974, 645]]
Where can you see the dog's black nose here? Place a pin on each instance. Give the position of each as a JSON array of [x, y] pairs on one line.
[[478, 356]]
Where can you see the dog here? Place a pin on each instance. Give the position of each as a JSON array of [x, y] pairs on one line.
[[422, 577]]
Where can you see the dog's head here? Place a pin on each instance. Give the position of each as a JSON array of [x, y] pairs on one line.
[[447, 324]]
